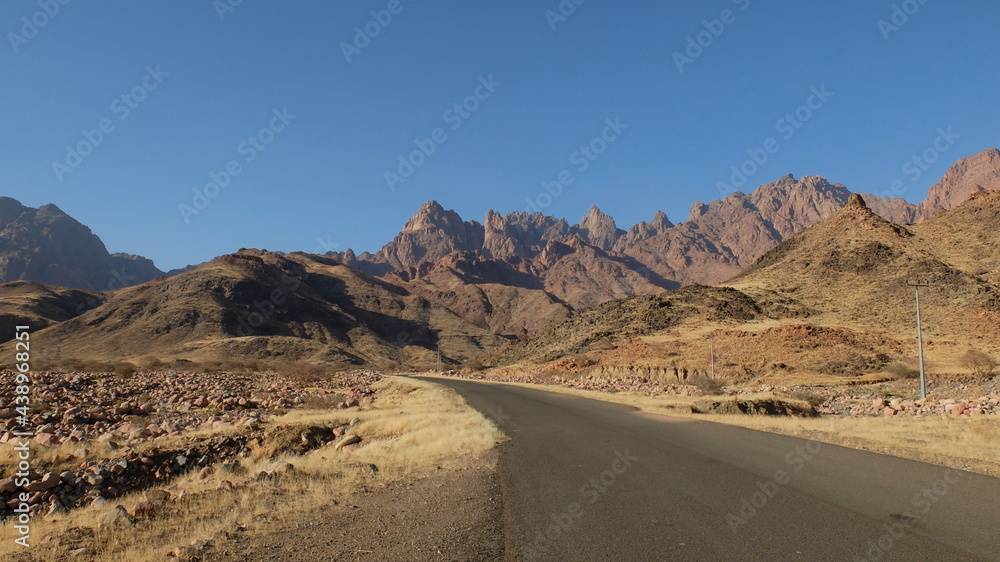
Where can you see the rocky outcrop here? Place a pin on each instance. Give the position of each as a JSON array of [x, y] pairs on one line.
[[599, 230], [430, 235], [979, 172]]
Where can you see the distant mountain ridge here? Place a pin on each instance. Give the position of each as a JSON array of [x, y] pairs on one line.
[[48, 246], [594, 260], [515, 274], [556, 287]]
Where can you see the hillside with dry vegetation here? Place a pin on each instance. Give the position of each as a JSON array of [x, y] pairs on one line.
[[261, 306]]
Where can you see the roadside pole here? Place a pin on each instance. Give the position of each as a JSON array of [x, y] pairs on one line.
[[712, 339], [920, 339]]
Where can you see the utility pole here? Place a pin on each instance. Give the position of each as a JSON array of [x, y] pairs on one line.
[[439, 357], [920, 338], [712, 338]]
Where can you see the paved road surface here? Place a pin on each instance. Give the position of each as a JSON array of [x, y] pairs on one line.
[[589, 480]]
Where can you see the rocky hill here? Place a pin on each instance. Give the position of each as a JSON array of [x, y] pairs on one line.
[[264, 306], [48, 246]]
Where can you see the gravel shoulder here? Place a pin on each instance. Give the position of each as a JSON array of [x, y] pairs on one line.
[[448, 514]]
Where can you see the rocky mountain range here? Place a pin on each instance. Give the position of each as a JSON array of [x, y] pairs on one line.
[[463, 285], [460, 263], [832, 301]]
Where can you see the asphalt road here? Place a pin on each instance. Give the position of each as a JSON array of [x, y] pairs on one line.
[[590, 480]]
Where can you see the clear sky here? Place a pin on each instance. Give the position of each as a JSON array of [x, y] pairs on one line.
[[309, 127]]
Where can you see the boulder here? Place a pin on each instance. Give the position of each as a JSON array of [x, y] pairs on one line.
[[49, 481], [155, 495], [116, 517], [347, 440], [143, 509], [47, 439]]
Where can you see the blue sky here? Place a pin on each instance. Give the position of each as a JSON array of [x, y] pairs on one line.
[[204, 87]]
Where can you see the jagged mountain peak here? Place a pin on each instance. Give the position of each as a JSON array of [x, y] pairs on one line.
[[660, 221], [432, 215]]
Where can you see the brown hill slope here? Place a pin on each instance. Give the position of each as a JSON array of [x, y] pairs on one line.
[[491, 294], [967, 235], [39, 306], [260, 305], [855, 268]]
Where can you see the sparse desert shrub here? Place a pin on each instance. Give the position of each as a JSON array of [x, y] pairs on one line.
[[903, 371], [150, 362], [706, 385], [72, 364], [475, 364], [124, 369], [752, 405], [811, 398], [322, 401], [980, 363], [300, 371]]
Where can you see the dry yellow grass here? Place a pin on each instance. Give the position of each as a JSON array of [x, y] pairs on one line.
[[968, 444], [413, 427]]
